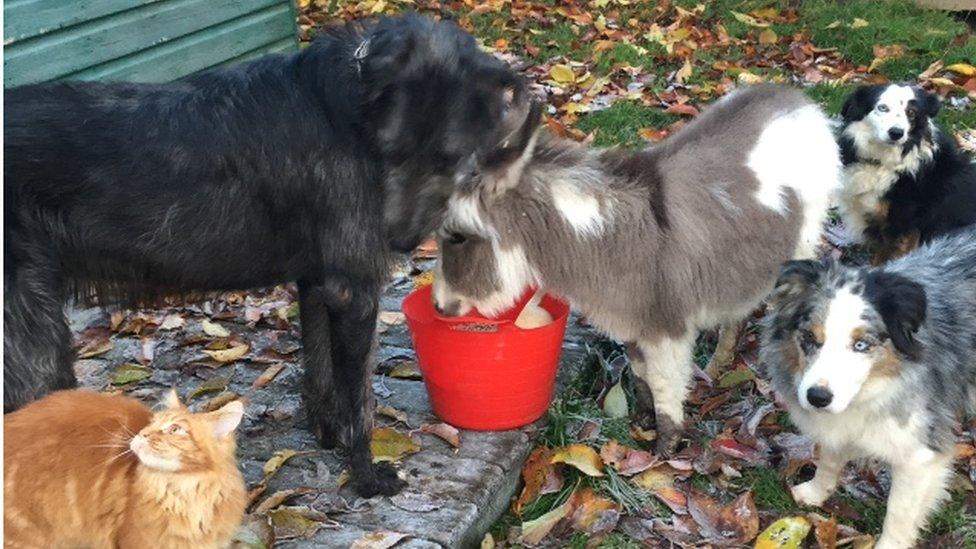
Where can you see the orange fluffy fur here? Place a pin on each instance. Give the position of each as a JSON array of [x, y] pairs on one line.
[[82, 469]]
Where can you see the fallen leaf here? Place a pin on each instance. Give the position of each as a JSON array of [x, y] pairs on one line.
[[562, 74], [228, 355], [964, 69], [859, 23], [768, 37], [406, 369], [212, 385], [684, 72], [255, 533], [746, 77], [593, 514], [737, 522], [448, 433], [749, 20], [652, 134], [661, 484], [834, 24], [378, 540], [682, 108], [730, 447], [213, 329], [534, 474], [279, 497], [785, 533], [580, 456], [172, 322], [277, 460], [218, 401], [297, 522], [391, 318], [735, 377], [533, 531], [289, 312], [268, 375], [627, 461], [417, 502], [425, 278], [130, 373], [392, 413], [95, 347], [615, 403], [388, 444], [826, 533], [487, 542]]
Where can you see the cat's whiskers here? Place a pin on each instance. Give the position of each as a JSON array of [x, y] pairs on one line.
[[117, 456]]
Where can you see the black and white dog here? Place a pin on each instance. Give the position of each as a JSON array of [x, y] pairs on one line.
[[309, 167], [906, 182], [879, 364]]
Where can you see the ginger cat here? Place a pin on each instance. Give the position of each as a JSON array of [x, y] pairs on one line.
[[83, 469]]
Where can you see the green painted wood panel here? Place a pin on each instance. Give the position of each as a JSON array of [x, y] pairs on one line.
[[140, 40]]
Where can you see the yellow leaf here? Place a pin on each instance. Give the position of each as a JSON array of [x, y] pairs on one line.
[[406, 370], [859, 23], [746, 77], [277, 460], [964, 69], [388, 444], [580, 456], [302, 4], [213, 329], [392, 413], [768, 37], [212, 385], [834, 25], [785, 533], [425, 278], [562, 74], [533, 531], [749, 20], [228, 355], [943, 82], [765, 13], [575, 108], [683, 73], [378, 7], [488, 542]]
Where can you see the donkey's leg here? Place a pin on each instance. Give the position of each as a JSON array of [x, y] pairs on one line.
[[643, 414], [668, 370], [728, 340], [37, 352]]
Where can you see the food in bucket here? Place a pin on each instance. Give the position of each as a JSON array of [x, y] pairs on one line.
[[533, 315]]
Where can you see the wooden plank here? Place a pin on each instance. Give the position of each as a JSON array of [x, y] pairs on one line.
[[262, 32], [26, 18], [950, 5], [87, 44]]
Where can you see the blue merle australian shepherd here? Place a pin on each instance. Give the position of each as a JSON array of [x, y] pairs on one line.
[[906, 181], [879, 363], [310, 167]]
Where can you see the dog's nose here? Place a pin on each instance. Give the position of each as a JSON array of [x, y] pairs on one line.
[[820, 397], [896, 133]]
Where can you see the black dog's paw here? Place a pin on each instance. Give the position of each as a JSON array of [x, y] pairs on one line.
[[378, 479]]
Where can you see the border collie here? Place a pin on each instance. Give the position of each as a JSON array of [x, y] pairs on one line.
[[651, 246], [308, 167], [878, 364], [906, 181]]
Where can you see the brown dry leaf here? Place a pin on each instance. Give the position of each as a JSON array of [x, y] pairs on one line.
[[580, 456], [172, 322], [218, 401], [230, 354], [130, 373], [652, 134], [534, 474], [279, 497], [213, 329], [534, 531], [737, 522], [95, 347], [388, 444], [391, 318], [255, 533], [682, 108], [215, 384], [683, 73], [627, 461], [932, 70], [593, 514], [268, 375], [298, 522], [826, 533], [382, 539], [448, 433], [886, 53], [392, 413], [661, 484]]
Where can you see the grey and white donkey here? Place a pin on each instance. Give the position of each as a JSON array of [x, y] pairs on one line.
[[879, 364], [650, 246]]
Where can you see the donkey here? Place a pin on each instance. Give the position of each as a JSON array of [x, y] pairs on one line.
[[650, 246]]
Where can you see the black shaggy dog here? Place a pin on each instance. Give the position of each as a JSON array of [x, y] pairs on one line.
[[906, 182], [308, 167]]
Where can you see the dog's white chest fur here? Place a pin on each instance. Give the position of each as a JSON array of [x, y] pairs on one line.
[[860, 197]]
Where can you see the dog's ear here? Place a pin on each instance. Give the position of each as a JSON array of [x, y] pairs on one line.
[[795, 278], [902, 304], [859, 103], [382, 54], [928, 102]]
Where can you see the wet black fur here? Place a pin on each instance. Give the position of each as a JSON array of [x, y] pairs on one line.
[[936, 199], [309, 167]]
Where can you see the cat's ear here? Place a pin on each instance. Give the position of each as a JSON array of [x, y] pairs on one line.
[[172, 400], [227, 418]]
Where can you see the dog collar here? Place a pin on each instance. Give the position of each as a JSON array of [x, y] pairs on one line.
[[361, 52]]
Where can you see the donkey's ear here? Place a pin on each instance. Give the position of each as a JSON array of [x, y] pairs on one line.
[[501, 167]]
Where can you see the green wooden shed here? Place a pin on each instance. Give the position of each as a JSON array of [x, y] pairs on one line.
[[138, 40]]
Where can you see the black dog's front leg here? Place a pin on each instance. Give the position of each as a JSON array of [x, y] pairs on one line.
[[338, 326]]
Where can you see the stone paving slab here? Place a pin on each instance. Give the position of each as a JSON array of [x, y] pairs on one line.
[[466, 488]]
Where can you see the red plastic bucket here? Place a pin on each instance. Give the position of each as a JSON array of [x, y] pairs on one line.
[[486, 374]]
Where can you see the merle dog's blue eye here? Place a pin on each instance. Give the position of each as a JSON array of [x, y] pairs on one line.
[[861, 346], [882, 108]]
